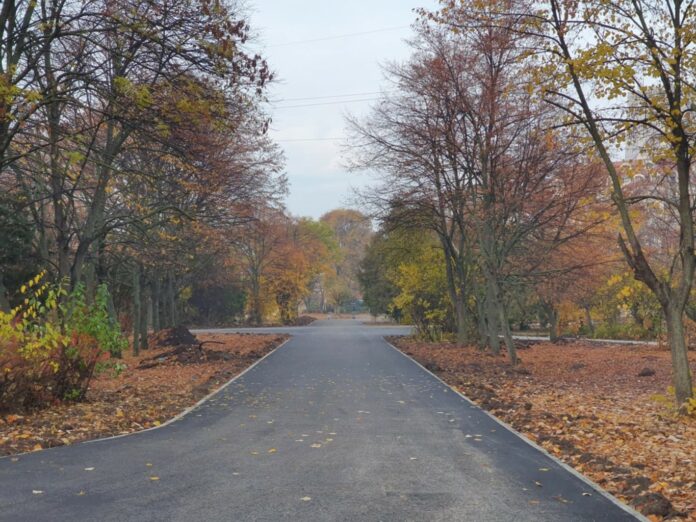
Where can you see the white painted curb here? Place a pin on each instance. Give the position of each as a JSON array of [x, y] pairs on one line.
[[166, 423], [562, 464]]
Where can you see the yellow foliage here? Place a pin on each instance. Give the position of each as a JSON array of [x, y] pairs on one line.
[[27, 325]]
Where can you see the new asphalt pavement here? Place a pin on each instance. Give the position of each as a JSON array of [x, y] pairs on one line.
[[334, 425]]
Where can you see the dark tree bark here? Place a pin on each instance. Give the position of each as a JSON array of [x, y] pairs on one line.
[[156, 291], [144, 306], [136, 310]]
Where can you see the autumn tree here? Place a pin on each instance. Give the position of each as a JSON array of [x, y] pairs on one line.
[[621, 71], [27, 29], [374, 275], [352, 231], [282, 257], [133, 141], [466, 152]]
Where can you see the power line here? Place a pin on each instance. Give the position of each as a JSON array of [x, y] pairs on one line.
[[332, 96], [336, 37], [292, 140], [327, 103]]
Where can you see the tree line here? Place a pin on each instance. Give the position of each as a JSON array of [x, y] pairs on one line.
[[132, 133], [529, 155]]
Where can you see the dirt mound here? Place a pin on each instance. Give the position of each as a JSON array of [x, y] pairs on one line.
[[177, 346], [170, 337], [303, 320]]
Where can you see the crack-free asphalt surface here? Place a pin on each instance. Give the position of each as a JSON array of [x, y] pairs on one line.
[[334, 425]]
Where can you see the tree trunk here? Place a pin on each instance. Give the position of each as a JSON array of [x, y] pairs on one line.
[[165, 306], [256, 313], [136, 310], [553, 324], [507, 334], [111, 308], [588, 319], [171, 296], [143, 311], [492, 320], [455, 290], [681, 373], [462, 330], [150, 305], [90, 284], [4, 301], [482, 323], [156, 287]]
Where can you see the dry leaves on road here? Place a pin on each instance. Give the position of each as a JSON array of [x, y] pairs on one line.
[[156, 386], [586, 404]]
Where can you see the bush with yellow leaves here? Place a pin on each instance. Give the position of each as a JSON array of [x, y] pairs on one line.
[[50, 345]]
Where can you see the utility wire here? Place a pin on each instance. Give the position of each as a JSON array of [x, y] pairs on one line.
[[291, 140], [336, 37], [332, 96], [326, 103]]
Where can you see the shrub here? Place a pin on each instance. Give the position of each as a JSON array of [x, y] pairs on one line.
[[49, 350], [94, 320]]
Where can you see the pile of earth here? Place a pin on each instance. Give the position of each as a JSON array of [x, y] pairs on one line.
[[303, 320], [179, 346], [172, 337]]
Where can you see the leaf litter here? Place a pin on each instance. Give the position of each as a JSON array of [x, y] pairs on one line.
[[155, 387], [586, 404]]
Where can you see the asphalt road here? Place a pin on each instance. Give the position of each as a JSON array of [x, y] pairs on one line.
[[335, 425]]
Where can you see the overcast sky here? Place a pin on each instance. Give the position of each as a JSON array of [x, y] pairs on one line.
[[333, 67]]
